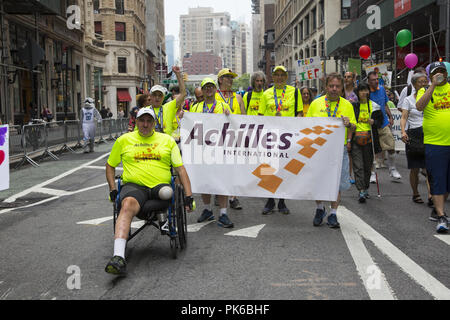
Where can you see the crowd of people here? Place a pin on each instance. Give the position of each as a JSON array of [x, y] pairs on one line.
[[363, 106]]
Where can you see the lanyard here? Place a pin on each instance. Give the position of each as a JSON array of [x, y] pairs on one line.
[[159, 119], [335, 109], [205, 107], [276, 98], [229, 101]]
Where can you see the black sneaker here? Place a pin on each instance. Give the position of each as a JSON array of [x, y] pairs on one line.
[[225, 222], [434, 216], [268, 208], [282, 207], [207, 215], [442, 226], [332, 222], [362, 197], [116, 266], [234, 204], [318, 218]]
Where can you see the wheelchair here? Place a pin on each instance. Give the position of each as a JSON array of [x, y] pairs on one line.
[[155, 210]]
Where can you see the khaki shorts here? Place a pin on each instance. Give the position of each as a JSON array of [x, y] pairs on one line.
[[386, 137]]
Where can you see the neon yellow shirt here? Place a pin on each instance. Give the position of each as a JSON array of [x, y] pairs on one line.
[[364, 116], [267, 106], [255, 101], [305, 108], [146, 161], [220, 107], [234, 108], [318, 109], [436, 116], [169, 111], [176, 128]]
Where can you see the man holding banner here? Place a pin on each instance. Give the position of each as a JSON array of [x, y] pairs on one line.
[[281, 101], [333, 105], [211, 105]]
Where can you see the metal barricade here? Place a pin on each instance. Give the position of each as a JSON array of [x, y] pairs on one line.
[[55, 132], [72, 133], [99, 132], [107, 128], [34, 140], [15, 142]]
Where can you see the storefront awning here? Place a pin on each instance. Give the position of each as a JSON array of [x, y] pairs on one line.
[[50, 7], [123, 95]]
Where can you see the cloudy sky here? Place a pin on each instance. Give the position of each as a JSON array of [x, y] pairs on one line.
[[240, 10]]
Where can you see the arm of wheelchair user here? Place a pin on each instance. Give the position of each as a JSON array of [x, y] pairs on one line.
[[110, 178]]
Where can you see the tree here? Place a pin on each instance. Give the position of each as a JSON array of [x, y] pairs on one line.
[[241, 82]]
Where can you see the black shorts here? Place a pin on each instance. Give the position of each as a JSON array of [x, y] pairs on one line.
[[140, 193]]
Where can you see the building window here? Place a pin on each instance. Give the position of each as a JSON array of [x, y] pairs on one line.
[[345, 9], [314, 18], [307, 25], [301, 31], [322, 46], [314, 48], [120, 8], [96, 4], [98, 29], [120, 31], [122, 65], [321, 13]]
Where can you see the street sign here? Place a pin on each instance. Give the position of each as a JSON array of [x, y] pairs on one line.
[[168, 81]]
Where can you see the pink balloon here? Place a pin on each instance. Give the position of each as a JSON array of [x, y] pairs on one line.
[[411, 60]]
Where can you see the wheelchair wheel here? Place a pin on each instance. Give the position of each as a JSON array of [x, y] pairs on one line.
[[181, 217]]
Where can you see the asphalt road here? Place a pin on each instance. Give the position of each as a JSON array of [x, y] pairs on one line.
[[52, 250]]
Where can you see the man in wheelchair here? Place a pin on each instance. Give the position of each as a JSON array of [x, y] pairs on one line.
[[147, 157]]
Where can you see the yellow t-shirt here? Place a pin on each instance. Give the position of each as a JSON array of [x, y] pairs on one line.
[[318, 109], [146, 161], [220, 107], [364, 116], [436, 116], [252, 109], [232, 102], [176, 128], [267, 106], [305, 108], [169, 111]]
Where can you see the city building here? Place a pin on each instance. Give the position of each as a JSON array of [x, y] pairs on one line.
[[266, 45], [301, 28], [170, 48], [155, 42], [427, 20], [203, 30], [122, 27], [202, 63], [236, 47]]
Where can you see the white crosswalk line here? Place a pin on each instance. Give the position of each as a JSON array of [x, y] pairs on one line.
[[445, 238], [251, 232], [96, 222], [406, 264], [197, 226], [137, 224]]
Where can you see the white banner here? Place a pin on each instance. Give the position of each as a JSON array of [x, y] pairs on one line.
[[4, 158], [397, 130], [309, 69], [266, 157]]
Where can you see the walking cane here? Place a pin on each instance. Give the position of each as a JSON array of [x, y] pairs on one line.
[[376, 173]]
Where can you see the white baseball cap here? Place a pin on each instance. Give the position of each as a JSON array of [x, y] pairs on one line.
[[158, 88], [146, 111]]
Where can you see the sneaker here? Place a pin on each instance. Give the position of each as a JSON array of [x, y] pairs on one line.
[[225, 222], [164, 227], [442, 226], [318, 218], [332, 222], [395, 174], [366, 194], [434, 216], [362, 197], [116, 266], [268, 208], [207, 215], [234, 204], [373, 178], [282, 207]]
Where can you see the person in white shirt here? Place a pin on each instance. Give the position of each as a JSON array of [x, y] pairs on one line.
[[88, 115]]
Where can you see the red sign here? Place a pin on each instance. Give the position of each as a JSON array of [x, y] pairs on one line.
[[401, 7]]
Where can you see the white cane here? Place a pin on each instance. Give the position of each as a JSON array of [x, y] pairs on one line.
[[376, 173]]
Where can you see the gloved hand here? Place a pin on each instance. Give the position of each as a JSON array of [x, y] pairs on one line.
[[190, 203], [113, 195]]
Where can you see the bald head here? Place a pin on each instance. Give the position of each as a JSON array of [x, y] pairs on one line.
[[198, 94]]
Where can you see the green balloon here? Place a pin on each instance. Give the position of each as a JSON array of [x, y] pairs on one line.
[[404, 38]]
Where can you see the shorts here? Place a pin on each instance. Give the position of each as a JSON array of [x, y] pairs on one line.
[[437, 159], [141, 193], [386, 138], [345, 172]]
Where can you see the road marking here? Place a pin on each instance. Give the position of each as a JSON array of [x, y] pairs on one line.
[[101, 168], [52, 192], [40, 185], [96, 222], [30, 205], [197, 226], [251, 232], [138, 224], [445, 238], [412, 269], [364, 262]]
